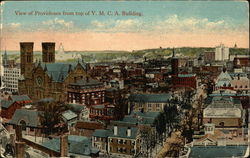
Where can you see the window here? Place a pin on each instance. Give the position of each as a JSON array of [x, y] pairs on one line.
[[149, 107], [221, 124]]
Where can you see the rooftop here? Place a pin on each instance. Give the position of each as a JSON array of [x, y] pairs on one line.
[[20, 98], [59, 71], [30, 117], [69, 115], [157, 98], [122, 132], [102, 133], [217, 151], [77, 145], [6, 103]]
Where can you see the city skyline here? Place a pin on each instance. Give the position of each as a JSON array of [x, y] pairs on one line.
[[125, 25]]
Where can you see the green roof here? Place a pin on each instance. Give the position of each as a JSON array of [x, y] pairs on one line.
[[217, 151], [69, 115], [20, 98], [102, 133], [122, 132], [30, 117], [59, 71], [77, 145], [153, 98], [6, 103], [146, 118], [76, 107]]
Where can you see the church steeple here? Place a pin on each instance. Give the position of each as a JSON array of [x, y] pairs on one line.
[[5, 59]]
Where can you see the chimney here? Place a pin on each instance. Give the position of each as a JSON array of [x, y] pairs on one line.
[[115, 130], [20, 145], [129, 132], [64, 145]]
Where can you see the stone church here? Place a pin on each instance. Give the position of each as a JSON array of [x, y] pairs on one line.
[[47, 79]]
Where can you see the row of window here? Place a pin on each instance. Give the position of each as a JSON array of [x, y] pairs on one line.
[[17, 71]]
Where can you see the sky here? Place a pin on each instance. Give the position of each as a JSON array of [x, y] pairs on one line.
[[103, 25]]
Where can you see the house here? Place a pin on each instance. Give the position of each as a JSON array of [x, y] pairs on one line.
[[76, 146], [100, 139], [86, 128], [81, 111], [70, 118], [28, 119], [8, 108], [234, 81], [20, 99], [124, 141], [224, 112], [148, 102], [86, 91], [103, 112]]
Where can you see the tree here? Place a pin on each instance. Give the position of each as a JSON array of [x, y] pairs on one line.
[[160, 124], [147, 138], [50, 116]]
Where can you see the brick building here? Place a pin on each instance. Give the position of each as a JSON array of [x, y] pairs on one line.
[[224, 112], [147, 102], [47, 79], [184, 80]]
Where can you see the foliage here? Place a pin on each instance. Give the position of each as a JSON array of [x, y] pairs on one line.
[[51, 116], [147, 137]]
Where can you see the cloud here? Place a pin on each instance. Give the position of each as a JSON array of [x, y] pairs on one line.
[[58, 22], [168, 24], [14, 25], [191, 24], [128, 25]]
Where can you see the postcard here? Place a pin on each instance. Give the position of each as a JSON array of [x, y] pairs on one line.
[[124, 79]]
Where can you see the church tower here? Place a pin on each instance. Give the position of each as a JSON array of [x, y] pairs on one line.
[[5, 59], [26, 58], [48, 52]]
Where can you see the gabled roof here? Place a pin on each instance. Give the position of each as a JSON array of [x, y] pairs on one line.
[[69, 115], [59, 71], [77, 145], [77, 108], [6, 103], [30, 117], [122, 132], [20, 98], [102, 133], [218, 151], [154, 98], [224, 76]]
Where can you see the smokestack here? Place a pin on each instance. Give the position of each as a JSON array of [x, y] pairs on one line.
[[20, 145], [129, 132], [115, 130], [64, 145]]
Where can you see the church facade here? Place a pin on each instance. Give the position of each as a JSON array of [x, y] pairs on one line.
[[47, 79]]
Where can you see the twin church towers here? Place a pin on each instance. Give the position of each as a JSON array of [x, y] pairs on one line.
[[26, 50]]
